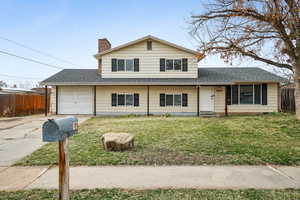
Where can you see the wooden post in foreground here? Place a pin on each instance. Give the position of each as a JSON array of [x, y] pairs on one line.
[[226, 103], [63, 170]]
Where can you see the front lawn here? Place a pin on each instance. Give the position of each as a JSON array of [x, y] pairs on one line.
[[237, 140], [187, 194]]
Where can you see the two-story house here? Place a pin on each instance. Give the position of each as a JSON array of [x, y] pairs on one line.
[[151, 76]]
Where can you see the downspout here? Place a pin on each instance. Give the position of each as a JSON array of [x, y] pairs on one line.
[[56, 100], [198, 99], [226, 105], [148, 112], [95, 94]]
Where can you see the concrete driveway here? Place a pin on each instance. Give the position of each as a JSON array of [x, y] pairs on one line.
[[20, 136]]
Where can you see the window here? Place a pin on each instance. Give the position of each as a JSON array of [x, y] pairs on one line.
[[121, 100], [177, 100], [177, 64], [128, 65], [169, 64], [169, 100], [149, 45], [257, 92], [121, 65], [129, 99], [247, 94], [173, 65], [125, 99], [173, 99]]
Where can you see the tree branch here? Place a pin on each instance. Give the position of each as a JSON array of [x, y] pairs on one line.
[[252, 55]]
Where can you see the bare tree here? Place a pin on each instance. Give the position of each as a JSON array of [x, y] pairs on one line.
[[3, 84], [263, 30]]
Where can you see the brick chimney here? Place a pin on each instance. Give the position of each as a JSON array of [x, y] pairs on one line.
[[103, 45]]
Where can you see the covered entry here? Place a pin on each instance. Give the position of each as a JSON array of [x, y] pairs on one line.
[[207, 99]]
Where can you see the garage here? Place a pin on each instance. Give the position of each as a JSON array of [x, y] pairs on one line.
[[75, 100]]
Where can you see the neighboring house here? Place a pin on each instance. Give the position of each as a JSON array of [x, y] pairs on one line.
[[153, 76], [8, 90], [41, 90]]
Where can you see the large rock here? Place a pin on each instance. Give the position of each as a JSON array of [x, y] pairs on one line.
[[117, 141]]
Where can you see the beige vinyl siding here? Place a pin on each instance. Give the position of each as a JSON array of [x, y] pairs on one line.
[[53, 100], [149, 61], [154, 97], [103, 100], [248, 108], [104, 107]]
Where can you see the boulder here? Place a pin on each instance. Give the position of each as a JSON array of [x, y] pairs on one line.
[[117, 141]]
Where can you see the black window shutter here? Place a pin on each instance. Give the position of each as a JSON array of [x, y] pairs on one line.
[[136, 65], [235, 94], [162, 100], [264, 88], [136, 99], [114, 99], [162, 64], [114, 67], [184, 64], [228, 94], [257, 93], [184, 99]]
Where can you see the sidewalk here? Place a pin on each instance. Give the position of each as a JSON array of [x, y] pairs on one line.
[[148, 177]]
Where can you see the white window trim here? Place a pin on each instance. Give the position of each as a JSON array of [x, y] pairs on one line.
[[173, 94], [125, 65], [173, 70], [253, 93], [239, 94], [125, 99]]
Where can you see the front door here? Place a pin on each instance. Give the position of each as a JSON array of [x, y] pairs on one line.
[[207, 99]]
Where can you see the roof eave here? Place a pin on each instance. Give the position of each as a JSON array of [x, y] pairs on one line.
[[155, 83]]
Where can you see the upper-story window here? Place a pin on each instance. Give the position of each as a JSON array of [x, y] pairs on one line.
[[128, 65], [174, 65], [149, 45]]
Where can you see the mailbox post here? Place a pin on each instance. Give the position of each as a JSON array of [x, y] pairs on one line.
[[60, 130]]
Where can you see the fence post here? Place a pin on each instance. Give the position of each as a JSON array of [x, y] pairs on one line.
[[46, 100]]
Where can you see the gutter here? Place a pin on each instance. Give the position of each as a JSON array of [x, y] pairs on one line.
[[154, 83]]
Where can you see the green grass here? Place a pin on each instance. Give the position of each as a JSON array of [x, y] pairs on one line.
[[183, 194], [237, 140]]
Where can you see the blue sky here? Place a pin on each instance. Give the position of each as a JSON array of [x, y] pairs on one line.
[[70, 29]]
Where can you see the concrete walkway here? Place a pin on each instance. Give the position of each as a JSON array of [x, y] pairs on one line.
[[20, 136], [144, 177]]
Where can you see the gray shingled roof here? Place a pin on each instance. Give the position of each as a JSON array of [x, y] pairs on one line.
[[206, 76]]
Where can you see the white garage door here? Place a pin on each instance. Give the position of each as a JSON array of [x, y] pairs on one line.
[[75, 100]]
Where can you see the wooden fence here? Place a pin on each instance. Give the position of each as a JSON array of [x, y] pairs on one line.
[[287, 99], [19, 105]]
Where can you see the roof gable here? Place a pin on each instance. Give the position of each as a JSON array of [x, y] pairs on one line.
[[149, 37]]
